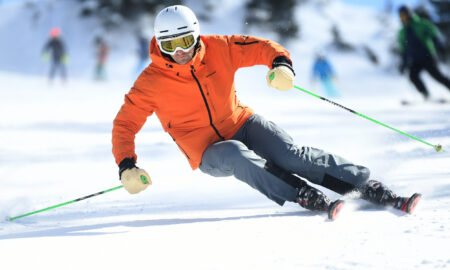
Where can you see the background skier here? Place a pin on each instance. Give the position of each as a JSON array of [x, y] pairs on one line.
[[323, 71], [102, 50], [142, 53], [418, 40], [190, 87], [55, 51]]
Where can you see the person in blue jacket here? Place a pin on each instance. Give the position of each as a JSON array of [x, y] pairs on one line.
[[142, 53], [324, 72]]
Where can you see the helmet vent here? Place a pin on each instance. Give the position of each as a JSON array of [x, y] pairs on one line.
[[164, 31], [184, 27]]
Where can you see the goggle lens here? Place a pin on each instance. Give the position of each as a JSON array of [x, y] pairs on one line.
[[183, 42]]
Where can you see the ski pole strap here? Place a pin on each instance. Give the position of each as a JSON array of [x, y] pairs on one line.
[[437, 147], [65, 203]]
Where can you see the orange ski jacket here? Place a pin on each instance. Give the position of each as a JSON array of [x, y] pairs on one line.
[[196, 103]]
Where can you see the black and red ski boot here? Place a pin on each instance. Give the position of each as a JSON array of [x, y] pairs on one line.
[[314, 200], [308, 196], [379, 194], [407, 205]]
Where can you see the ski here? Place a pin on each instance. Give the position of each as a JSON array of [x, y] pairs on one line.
[[408, 205], [434, 101], [334, 209]]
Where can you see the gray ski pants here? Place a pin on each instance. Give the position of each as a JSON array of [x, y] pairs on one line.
[[259, 142]]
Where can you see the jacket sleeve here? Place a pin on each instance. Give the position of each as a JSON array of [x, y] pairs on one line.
[[139, 104], [248, 51], [435, 36], [431, 28], [46, 46]]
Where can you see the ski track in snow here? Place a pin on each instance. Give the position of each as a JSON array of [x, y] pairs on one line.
[[55, 146]]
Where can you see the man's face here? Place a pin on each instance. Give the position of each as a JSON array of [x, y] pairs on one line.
[[183, 58], [404, 18]]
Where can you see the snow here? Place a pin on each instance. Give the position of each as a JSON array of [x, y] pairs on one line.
[[55, 146]]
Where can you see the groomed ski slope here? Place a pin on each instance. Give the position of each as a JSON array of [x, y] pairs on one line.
[[55, 147]]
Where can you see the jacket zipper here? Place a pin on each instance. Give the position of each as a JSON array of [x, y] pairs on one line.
[[206, 104]]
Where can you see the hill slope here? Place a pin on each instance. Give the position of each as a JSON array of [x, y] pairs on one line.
[[55, 146]]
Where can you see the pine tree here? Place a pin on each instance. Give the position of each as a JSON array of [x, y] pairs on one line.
[[442, 9], [275, 16], [114, 12]]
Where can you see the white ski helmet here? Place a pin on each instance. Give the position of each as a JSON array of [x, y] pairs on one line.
[[173, 23]]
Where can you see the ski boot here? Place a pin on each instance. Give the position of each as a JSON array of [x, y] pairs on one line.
[[407, 205], [313, 199], [379, 194], [308, 197]]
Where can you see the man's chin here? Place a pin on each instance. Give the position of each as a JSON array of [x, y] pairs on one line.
[[182, 61]]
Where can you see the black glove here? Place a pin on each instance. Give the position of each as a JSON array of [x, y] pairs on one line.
[[126, 163], [282, 61]]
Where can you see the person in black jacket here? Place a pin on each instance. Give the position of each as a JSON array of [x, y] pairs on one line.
[[55, 49], [419, 41]]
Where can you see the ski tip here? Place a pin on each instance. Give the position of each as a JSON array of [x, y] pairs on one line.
[[412, 202], [335, 208]]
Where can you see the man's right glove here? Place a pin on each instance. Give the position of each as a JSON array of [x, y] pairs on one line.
[[134, 180]]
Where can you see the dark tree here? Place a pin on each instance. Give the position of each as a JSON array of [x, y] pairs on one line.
[[338, 42], [273, 15], [442, 9], [114, 12]]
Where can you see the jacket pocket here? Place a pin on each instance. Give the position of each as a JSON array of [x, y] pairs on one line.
[[179, 146]]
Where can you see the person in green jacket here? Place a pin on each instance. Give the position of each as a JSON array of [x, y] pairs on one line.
[[419, 40]]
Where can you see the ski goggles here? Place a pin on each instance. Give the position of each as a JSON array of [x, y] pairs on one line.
[[185, 43]]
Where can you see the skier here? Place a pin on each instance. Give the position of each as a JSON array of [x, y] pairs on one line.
[[190, 87], [142, 53], [324, 72], [102, 50], [418, 40], [55, 49]]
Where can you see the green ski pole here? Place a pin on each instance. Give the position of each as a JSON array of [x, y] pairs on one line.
[[66, 203], [437, 147]]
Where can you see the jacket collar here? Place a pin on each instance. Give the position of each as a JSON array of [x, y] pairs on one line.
[[413, 19], [163, 62]]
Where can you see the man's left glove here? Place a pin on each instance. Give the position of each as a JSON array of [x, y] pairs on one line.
[[281, 76], [134, 180]]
